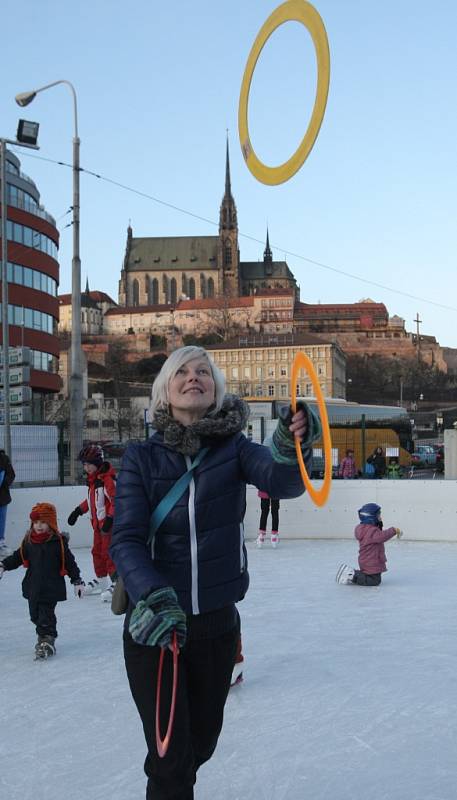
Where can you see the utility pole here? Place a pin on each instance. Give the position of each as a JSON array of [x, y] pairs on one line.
[[418, 338]]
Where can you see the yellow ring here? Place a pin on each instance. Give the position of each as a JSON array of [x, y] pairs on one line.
[[320, 497], [298, 11]]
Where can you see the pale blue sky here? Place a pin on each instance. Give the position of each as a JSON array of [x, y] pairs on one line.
[[157, 86]]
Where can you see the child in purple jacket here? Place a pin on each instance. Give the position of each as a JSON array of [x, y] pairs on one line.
[[372, 555]]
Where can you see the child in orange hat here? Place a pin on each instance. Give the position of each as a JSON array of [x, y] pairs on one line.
[[47, 558]]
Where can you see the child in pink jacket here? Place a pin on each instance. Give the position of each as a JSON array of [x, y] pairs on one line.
[[372, 555]]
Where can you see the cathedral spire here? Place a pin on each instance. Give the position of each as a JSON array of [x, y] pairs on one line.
[[87, 284], [267, 254], [227, 216], [228, 189]]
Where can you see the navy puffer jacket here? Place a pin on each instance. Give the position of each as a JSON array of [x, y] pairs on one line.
[[199, 548]]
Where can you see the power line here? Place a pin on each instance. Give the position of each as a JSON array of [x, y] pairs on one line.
[[315, 263]]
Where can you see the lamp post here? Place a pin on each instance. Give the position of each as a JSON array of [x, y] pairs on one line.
[[76, 380]]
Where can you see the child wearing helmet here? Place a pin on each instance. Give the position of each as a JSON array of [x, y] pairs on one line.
[[372, 555], [101, 490], [47, 558]]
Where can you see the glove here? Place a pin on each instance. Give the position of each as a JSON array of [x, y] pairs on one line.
[[2, 569], [107, 524], [79, 588], [74, 515], [399, 533], [156, 617]]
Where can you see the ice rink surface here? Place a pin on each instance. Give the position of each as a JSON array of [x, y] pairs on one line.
[[349, 693]]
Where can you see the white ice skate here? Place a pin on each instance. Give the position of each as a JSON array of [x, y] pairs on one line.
[[107, 594], [237, 674], [4, 549], [344, 574], [274, 539], [260, 539], [96, 586]]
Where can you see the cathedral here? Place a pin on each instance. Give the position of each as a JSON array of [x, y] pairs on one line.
[[161, 270]]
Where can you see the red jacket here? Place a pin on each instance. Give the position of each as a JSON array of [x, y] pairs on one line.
[[372, 555], [101, 490]]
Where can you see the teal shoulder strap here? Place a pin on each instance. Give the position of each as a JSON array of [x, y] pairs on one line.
[[172, 497]]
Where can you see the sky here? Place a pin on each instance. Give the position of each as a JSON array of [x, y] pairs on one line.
[[371, 213]]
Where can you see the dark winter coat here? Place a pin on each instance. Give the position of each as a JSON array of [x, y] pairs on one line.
[[199, 549], [378, 460], [43, 581], [8, 478], [372, 554]]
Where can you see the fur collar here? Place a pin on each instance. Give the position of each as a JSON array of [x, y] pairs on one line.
[[189, 439]]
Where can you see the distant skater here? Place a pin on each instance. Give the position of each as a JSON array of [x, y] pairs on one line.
[[45, 554], [267, 503], [372, 555]]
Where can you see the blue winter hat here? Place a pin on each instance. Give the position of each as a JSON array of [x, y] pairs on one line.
[[369, 513]]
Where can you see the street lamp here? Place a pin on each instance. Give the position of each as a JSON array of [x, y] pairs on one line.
[[76, 381]]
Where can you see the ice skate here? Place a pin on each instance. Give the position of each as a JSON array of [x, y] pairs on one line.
[[274, 538], [237, 674], [4, 549], [107, 594], [344, 574], [44, 648], [96, 586], [260, 539]]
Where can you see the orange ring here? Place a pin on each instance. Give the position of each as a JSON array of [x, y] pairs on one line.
[[319, 497]]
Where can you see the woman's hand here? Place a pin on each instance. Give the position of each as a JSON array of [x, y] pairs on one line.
[[299, 424]]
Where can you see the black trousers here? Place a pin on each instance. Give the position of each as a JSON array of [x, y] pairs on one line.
[[205, 669], [362, 579], [264, 509], [43, 616]]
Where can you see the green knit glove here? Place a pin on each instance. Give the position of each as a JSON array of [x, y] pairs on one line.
[[156, 617], [283, 444]]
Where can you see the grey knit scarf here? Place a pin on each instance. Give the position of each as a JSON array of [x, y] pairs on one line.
[[189, 439]]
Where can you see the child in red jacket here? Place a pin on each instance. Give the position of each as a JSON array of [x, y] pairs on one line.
[[101, 490], [372, 555]]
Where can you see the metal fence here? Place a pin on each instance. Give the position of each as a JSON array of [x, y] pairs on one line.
[[34, 455]]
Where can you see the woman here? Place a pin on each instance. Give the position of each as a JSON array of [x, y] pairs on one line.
[[189, 579], [7, 476], [378, 461]]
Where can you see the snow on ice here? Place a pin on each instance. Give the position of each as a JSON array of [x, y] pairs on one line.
[[349, 692]]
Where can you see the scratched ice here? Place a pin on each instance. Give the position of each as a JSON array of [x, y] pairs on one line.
[[348, 692]]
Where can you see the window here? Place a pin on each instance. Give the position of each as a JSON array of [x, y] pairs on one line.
[[234, 372], [283, 390], [271, 390], [284, 372]]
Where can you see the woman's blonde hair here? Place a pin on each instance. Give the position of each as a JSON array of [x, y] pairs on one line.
[[159, 396]]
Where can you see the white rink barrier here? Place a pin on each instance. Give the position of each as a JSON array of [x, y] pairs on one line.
[[424, 510]]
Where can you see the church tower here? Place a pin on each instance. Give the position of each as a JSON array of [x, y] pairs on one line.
[[228, 252], [123, 293]]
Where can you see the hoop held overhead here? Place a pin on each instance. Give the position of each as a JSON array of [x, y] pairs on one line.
[[297, 11]]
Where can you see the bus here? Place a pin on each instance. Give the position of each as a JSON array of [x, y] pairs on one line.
[[354, 426]]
